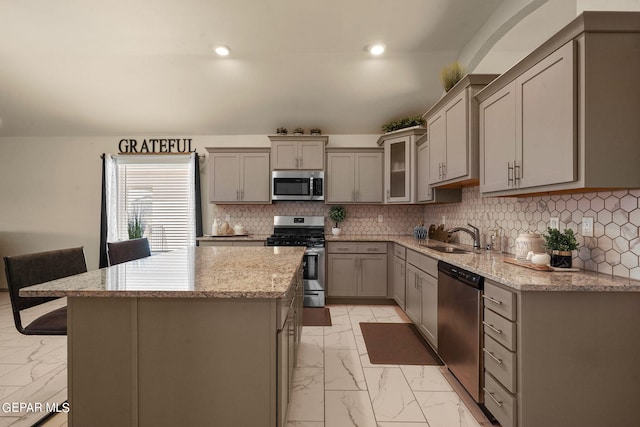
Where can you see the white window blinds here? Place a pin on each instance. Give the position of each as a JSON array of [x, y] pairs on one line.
[[159, 191]]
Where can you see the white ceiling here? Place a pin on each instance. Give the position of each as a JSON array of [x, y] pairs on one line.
[[87, 68]]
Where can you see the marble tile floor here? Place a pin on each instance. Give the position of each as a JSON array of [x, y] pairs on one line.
[[33, 369], [334, 385]]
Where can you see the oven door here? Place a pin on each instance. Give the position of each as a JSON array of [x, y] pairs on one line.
[[313, 277]]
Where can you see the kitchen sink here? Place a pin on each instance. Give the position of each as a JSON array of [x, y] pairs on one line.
[[447, 249]]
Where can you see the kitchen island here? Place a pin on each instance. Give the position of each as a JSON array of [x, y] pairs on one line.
[[199, 336]]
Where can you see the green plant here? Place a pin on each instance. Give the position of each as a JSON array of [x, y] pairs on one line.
[[135, 222], [557, 241], [281, 131], [315, 131], [337, 214], [451, 74], [403, 123], [298, 130]]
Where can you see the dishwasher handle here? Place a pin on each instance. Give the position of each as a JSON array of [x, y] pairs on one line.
[[461, 275]]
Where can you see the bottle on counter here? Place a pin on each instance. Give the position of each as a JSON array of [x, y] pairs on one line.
[[215, 228]]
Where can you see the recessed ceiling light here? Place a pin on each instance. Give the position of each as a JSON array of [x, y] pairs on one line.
[[376, 49], [222, 50]]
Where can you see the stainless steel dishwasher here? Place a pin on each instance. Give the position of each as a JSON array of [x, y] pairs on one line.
[[459, 326]]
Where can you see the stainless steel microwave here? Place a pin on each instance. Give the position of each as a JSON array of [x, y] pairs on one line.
[[297, 185]]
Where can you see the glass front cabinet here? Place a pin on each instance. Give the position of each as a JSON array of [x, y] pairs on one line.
[[399, 164]]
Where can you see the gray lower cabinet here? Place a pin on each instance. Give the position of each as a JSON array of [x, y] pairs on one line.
[[398, 283], [357, 269], [558, 359], [422, 294], [288, 338]]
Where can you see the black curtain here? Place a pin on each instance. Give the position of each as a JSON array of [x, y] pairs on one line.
[[103, 217], [198, 212]]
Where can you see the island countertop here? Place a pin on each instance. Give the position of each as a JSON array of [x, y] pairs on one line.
[[195, 272]]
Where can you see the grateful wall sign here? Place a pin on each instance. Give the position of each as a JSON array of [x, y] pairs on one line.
[[155, 145]]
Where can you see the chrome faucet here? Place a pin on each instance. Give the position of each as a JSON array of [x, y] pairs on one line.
[[475, 234]]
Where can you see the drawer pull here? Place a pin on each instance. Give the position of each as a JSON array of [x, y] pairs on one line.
[[343, 249], [493, 328], [493, 398], [372, 249], [493, 300], [499, 361]]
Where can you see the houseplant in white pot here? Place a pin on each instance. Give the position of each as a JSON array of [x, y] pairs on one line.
[[337, 214], [560, 246]]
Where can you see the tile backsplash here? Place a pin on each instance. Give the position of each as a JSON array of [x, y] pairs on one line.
[[613, 249], [361, 219]]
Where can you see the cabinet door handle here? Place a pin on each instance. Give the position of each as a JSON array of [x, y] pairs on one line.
[[440, 170], [492, 398], [300, 162], [387, 194], [509, 174], [493, 328], [237, 194], [493, 356], [493, 300], [516, 173], [444, 170], [241, 194]]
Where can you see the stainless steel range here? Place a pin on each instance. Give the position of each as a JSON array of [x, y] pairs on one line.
[[304, 231]]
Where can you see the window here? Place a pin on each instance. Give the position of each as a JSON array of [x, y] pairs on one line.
[[159, 191]]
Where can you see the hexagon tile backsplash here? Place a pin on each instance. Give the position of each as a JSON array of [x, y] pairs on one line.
[[361, 219], [613, 249]]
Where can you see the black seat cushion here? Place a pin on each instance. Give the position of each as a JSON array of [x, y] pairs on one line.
[[52, 323]]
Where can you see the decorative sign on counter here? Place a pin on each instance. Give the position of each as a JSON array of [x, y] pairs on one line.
[[156, 145]]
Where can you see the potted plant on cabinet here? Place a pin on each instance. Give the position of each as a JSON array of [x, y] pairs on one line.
[[407, 122], [560, 246], [337, 214]]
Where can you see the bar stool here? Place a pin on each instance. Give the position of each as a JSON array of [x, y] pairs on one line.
[[128, 250], [36, 268]]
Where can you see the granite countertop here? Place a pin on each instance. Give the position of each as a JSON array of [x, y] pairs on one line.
[[491, 265], [233, 237], [197, 272]]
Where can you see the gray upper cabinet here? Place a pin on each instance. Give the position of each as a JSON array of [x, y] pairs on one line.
[[520, 152], [298, 152], [399, 169], [452, 125], [237, 176], [354, 176], [565, 118], [425, 193]]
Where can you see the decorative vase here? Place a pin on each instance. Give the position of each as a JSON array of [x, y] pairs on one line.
[[561, 259], [335, 231], [420, 232]]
